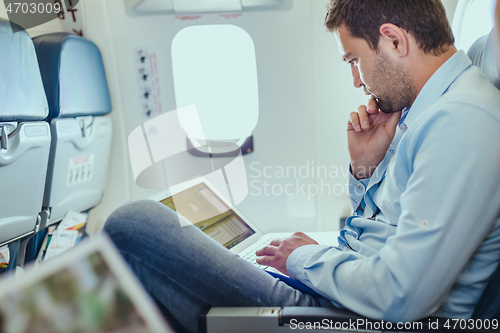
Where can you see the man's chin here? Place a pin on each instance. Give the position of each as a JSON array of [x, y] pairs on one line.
[[387, 111], [383, 106], [386, 107]]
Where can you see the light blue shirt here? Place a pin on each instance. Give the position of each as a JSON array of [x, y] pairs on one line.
[[425, 234]]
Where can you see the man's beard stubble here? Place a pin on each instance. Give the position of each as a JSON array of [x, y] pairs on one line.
[[395, 85]]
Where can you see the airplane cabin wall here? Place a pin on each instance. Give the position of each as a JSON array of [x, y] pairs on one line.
[[285, 135]]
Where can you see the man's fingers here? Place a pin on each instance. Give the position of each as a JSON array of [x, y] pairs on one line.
[[265, 261], [354, 119], [276, 242], [349, 124], [363, 117], [267, 251], [359, 121], [372, 106]]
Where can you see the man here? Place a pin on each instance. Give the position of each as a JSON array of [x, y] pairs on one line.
[[425, 235]]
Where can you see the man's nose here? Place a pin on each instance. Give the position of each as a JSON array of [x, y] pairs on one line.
[[356, 79]]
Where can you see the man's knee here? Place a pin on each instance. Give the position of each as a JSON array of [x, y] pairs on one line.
[[139, 219]]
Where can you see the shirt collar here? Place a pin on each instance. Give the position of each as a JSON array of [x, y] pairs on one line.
[[437, 85]]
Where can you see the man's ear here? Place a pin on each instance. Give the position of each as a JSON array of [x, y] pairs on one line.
[[393, 38]]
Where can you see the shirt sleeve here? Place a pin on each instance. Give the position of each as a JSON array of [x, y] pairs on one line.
[[446, 215], [357, 190]]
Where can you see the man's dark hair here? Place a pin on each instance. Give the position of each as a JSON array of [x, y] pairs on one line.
[[425, 19]]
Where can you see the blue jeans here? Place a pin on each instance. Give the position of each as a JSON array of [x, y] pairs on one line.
[[186, 271]]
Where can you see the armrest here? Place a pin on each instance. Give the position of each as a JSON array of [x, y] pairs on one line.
[[241, 320], [310, 319]]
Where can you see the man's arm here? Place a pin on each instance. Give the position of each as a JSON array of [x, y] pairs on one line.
[[448, 209], [357, 190], [370, 133]]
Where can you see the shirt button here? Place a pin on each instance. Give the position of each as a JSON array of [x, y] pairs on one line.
[[404, 127], [424, 223], [359, 186]]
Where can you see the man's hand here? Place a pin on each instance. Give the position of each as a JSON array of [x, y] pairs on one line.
[[276, 254], [369, 135]]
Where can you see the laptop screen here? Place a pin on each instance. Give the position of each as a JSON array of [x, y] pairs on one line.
[[86, 289], [226, 228]]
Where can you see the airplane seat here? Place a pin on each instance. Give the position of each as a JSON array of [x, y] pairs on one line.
[[484, 54], [79, 102], [24, 138]]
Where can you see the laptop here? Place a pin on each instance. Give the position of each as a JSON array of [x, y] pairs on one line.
[[203, 203], [86, 289]]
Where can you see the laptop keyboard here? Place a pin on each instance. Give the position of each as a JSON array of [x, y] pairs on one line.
[[249, 253]]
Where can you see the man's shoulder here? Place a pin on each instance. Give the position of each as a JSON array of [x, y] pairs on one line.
[[470, 104], [470, 100], [471, 94]]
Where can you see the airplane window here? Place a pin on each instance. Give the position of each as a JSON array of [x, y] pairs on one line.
[[214, 67], [477, 21]]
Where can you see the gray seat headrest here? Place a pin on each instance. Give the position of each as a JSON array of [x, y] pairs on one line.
[[485, 54]]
